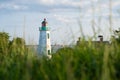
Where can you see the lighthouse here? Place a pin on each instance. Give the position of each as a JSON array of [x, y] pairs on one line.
[[44, 47]]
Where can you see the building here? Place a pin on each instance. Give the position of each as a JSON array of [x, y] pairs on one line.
[[44, 47], [95, 43]]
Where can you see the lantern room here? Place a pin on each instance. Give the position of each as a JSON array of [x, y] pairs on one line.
[[44, 26]]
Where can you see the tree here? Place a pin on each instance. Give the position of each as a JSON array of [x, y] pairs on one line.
[[116, 36], [17, 46], [4, 42]]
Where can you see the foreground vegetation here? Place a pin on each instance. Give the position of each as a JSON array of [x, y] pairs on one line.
[[85, 61]]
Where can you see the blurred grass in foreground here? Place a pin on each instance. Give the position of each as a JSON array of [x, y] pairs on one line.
[[86, 61]]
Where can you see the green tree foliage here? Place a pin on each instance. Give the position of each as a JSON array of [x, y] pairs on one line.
[[4, 42], [17, 46], [116, 36], [82, 62]]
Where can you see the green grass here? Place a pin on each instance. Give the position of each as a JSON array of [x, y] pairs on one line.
[[85, 61]]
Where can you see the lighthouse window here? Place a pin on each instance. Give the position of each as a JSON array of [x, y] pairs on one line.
[[48, 35], [48, 52]]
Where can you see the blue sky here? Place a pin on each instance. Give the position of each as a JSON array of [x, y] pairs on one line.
[[64, 18]]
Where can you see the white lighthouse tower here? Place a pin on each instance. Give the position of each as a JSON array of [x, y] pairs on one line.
[[44, 47]]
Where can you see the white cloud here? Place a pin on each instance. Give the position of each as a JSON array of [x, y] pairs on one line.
[[62, 3], [62, 18], [46, 2], [13, 6], [70, 3], [19, 7], [116, 3]]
